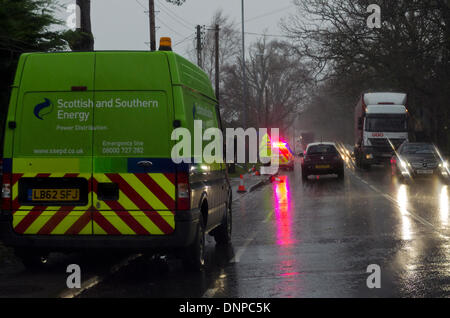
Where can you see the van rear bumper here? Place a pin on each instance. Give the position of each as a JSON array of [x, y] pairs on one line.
[[186, 223]]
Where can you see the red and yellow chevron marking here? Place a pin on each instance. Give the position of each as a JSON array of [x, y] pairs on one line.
[[50, 220], [284, 156], [145, 207]]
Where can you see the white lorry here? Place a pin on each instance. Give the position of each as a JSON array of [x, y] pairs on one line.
[[381, 126]]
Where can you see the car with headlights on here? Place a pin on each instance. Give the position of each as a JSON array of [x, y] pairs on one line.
[[418, 160], [321, 159]]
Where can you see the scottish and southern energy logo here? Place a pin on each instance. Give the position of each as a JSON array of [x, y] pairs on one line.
[[43, 109]]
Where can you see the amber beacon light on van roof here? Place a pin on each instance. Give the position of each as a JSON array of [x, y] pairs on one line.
[[165, 44]]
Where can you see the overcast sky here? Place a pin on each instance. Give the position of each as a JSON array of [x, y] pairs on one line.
[[123, 24]]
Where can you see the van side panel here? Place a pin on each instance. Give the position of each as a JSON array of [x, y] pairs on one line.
[[211, 174], [200, 104]]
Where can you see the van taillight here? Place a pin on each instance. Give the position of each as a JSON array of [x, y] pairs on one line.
[[183, 192], [6, 191]]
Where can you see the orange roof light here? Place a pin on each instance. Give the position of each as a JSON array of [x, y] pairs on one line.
[[165, 44]]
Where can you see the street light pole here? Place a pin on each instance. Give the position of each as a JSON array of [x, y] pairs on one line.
[[244, 75]]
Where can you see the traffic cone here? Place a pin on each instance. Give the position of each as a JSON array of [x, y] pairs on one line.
[[242, 186]]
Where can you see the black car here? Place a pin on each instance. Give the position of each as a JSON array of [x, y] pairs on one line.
[[418, 160], [322, 158]]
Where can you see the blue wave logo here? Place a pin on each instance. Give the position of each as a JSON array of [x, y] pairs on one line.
[[43, 109]]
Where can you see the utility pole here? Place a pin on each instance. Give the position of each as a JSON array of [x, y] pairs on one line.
[[86, 41], [199, 46], [217, 62], [151, 15], [244, 75]]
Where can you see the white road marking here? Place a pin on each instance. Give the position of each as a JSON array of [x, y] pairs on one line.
[[407, 211]]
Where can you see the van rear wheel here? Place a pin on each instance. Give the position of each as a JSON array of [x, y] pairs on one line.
[[194, 255]]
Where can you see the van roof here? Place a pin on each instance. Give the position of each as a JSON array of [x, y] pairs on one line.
[[182, 72]]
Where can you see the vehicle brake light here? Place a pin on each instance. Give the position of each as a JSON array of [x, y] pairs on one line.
[[393, 161], [79, 88], [183, 192]]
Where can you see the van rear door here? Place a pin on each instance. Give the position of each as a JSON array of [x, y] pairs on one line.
[[133, 174], [52, 149]]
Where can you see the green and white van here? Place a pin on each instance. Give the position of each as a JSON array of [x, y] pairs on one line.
[[87, 156]]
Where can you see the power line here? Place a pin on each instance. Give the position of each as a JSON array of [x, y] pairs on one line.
[[270, 35], [269, 13], [170, 28], [176, 15], [184, 40], [137, 1], [176, 19], [161, 22]]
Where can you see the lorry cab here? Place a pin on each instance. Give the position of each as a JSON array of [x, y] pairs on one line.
[[87, 156]]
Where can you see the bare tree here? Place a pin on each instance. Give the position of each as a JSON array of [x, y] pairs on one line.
[[410, 52], [278, 86]]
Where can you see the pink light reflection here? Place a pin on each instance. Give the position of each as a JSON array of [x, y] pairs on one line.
[[283, 216]]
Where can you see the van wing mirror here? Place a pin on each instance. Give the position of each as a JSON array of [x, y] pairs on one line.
[[360, 123]]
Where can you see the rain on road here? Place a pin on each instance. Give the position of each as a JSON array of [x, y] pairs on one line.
[[316, 239], [297, 239]]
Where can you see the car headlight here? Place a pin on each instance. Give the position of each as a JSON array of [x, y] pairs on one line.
[[444, 165], [405, 165]]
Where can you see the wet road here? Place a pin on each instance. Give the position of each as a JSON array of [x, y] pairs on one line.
[[310, 239]]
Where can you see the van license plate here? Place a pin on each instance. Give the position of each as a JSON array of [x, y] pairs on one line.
[[322, 166], [54, 195]]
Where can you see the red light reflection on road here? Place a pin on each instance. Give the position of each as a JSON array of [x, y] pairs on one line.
[[287, 268], [283, 211]]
